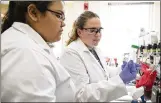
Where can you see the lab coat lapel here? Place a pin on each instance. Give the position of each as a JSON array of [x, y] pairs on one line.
[[102, 60], [86, 50], [96, 61]]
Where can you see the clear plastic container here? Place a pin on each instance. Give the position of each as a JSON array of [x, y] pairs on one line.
[[133, 53]]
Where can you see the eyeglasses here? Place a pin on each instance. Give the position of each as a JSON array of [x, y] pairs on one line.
[[60, 16], [93, 31]]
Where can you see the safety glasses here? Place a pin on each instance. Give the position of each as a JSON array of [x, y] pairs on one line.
[[93, 31], [60, 16]]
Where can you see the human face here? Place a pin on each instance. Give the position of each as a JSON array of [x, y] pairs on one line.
[[50, 25], [91, 33]]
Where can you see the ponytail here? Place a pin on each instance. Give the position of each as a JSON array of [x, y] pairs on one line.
[[8, 19], [74, 35], [17, 12]]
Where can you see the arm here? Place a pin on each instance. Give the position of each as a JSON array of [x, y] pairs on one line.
[[26, 77], [102, 91]]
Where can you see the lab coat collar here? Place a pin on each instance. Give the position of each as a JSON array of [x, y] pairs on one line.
[[83, 47], [26, 29]]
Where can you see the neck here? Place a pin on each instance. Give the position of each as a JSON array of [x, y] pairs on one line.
[[89, 47]]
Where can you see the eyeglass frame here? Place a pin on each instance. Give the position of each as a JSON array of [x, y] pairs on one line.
[[62, 18], [98, 30]]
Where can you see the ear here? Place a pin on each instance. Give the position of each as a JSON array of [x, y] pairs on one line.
[[79, 32], [33, 12]]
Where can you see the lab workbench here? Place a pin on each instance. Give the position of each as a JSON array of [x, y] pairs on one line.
[[128, 98]]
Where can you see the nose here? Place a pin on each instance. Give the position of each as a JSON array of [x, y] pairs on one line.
[[98, 34], [63, 24]]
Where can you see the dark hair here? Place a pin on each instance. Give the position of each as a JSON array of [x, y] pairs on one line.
[[17, 10], [79, 23]]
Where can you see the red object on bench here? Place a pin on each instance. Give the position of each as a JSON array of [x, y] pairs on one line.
[[148, 77]]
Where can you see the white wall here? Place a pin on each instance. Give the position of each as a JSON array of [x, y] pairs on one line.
[[95, 6], [156, 18], [74, 8]]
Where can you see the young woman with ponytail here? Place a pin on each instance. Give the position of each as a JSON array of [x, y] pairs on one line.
[[94, 80]]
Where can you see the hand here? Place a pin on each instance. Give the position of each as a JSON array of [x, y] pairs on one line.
[[129, 71], [124, 64]]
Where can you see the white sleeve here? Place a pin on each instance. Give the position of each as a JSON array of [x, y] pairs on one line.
[[26, 76], [102, 91]]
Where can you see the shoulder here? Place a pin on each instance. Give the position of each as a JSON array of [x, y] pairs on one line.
[[12, 39], [77, 46], [73, 45], [24, 56], [72, 48]]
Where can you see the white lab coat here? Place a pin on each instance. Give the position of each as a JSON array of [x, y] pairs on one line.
[[29, 70], [92, 82]]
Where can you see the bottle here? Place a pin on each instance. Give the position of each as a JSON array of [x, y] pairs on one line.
[[134, 52]]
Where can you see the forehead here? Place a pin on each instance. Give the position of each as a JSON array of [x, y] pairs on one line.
[[57, 5], [93, 22]]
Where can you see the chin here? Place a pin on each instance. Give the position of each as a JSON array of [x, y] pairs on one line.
[[96, 44], [58, 39], [55, 40]]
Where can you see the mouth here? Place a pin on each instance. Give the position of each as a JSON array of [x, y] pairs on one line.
[[96, 40], [61, 31]]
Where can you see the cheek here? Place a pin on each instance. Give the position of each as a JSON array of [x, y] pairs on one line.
[[53, 27], [52, 23], [90, 39], [100, 35]]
